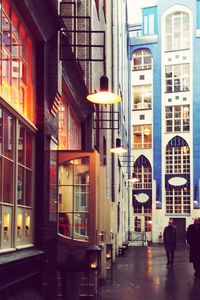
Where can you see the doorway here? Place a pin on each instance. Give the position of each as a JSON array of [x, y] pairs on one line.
[[180, 224]]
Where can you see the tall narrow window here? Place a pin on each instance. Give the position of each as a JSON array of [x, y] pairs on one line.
[[16, 134], [177, 157], [177, 31], [74, 183], [17, 63]]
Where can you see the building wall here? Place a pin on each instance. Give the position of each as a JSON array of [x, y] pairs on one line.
[[155, 43]]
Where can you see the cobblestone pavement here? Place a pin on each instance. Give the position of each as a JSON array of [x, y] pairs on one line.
[[142, 274]]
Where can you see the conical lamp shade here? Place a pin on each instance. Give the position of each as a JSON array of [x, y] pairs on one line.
[[104, 96], [134, 178], [118, 149]]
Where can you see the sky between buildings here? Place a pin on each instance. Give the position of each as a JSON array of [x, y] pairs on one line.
[[134, 9]]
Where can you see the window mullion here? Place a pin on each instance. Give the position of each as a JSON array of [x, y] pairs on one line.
[[14, 227]]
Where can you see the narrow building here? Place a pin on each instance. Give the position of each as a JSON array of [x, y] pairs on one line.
[[164, 59]]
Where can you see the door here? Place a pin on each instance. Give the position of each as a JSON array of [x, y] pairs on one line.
[[181, 230]]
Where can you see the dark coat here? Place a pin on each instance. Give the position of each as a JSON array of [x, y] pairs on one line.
[[169, 236], [193, 239]]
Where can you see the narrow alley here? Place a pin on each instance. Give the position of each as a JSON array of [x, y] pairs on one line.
[[142, 274]]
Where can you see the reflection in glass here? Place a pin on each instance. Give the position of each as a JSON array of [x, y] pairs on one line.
[[20, 185], [6, 33], [65, 221], [8, 135], [1, 130], [81, 226], [21, 136], [1, 180], [7, 181], [28, 199], [29, 150], [74, 198]]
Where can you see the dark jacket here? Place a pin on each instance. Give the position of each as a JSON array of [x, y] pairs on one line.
[[193, 239], [169, 236]]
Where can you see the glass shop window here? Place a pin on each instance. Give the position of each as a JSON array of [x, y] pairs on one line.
[[16, 63], [16, 182], [74, 199]]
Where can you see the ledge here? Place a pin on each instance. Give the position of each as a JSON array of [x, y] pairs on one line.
[[14, 256]]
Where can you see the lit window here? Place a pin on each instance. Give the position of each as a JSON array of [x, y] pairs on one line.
[[74, 199], [17, 64], [137, 224], [142, 97], [148, 224], [15, 232], [69, 128], [142, 136], [16, 139]]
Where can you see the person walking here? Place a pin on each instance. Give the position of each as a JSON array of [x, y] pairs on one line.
[[169, 237], [193, 239]]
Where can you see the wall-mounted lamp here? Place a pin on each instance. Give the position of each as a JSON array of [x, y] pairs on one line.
[[93, 257], [119, 149], [134, 178], [104, 96]]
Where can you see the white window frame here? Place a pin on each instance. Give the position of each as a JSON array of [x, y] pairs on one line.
[[177, 160], [177, 78], [177, 120], [19, 223], [143, 93], [142, 55], [142, 131], [177, 36]]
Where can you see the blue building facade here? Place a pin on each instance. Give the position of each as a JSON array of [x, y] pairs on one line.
[[165, 93]]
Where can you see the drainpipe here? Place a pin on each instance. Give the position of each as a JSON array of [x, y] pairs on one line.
[[112, 113]]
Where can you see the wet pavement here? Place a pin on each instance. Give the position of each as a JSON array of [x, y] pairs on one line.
[[142, 274]]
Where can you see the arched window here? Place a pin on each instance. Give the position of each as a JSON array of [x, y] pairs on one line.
[[142, 59], [177, 157], [177, 31], [143, 171]]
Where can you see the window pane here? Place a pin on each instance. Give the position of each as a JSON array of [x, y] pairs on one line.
[[29, 184], [29, 150], [81, 226], [6, 33], [7, 181], [5, 227], [65, 224], [28, 225], [20, 185], [81, 194], [8, 135], [65, 198], [21, 141]]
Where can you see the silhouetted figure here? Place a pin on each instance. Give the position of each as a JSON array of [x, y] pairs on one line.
[[193, 239], [169, 236]]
